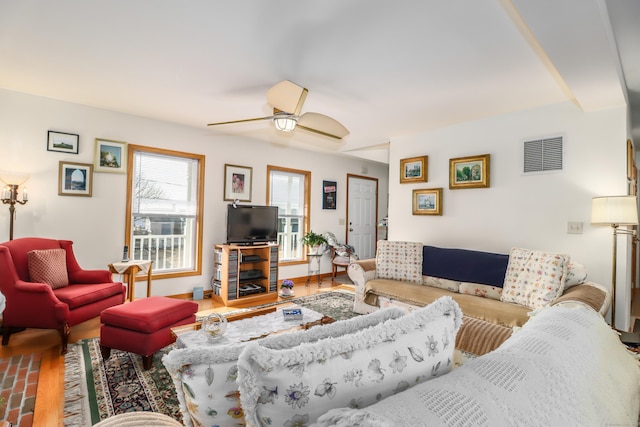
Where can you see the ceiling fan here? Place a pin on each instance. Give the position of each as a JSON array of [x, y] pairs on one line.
[[287, 99]]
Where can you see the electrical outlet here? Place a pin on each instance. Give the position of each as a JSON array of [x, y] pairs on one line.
[[574, 227]]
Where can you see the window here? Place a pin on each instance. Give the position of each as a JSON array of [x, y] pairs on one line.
[[164, 210], [288, 189]]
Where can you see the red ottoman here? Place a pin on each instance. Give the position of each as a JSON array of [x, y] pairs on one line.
[[144, 326]]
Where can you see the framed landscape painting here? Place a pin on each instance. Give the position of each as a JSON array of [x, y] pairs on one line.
[[75, 179], [469, 172], [413, 169], [111, 156], [63, 142], [427, 201]]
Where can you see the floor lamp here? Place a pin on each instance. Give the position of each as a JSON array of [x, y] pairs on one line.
[[10, 195], [615, 211]]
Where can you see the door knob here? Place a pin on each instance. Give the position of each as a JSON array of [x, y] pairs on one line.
[[351, 229]]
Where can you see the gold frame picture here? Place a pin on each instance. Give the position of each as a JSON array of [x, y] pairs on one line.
[[414, 169], [469, 172], [75, 179], [427, 201], [110, 156]]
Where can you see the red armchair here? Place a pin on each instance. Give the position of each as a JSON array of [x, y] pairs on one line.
[[38, 305]]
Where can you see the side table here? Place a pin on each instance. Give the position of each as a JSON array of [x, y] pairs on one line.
[[130, 269], [313, 267]]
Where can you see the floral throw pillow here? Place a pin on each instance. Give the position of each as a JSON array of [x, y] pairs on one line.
[[48, 266], [293, 385], [399, 261], [534, 278]]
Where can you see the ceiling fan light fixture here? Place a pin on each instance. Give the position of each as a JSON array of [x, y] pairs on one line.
[[285, 122]]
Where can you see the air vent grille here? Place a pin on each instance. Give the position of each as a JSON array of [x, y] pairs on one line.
[[543, 155]]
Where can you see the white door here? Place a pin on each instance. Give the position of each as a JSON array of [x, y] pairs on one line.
[[362, 215]]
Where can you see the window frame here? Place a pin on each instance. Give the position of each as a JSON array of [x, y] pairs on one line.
[[132, 149], [306, 220]]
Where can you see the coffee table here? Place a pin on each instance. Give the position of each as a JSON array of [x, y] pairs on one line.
[[249, 325]]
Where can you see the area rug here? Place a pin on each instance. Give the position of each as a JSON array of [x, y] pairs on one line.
[[96, 389]]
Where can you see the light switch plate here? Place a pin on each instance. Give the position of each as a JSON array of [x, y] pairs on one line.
[[574, 227]]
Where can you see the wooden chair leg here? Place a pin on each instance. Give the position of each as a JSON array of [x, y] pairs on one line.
[[6, 333], [105, 351], [64, 331], [147, 362]]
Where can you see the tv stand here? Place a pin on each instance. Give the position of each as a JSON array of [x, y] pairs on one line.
[[245, 273]]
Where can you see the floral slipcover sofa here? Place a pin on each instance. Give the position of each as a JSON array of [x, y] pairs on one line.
[[498, 288]]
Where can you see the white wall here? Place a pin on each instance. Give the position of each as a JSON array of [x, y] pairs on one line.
[[96, 224], [522, 211]]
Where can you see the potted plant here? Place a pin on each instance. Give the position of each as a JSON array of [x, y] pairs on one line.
[[286, 288], [314, 241]]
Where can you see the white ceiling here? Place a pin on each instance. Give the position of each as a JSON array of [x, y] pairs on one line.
[[383, 69]]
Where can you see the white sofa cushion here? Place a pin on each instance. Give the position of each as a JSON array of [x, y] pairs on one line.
[[399, 261], [205, 377], [534, 278], [283, 385]]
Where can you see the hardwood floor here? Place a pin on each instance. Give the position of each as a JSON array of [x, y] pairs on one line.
[[50, 394]]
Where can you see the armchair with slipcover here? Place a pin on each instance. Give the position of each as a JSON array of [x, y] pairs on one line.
[[341, 255], [46, 288]]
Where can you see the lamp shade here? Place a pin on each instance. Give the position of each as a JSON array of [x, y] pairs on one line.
[[619, 210], [13, 178], [285, 122]]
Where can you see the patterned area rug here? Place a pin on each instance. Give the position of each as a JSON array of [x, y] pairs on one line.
[[96, 389]]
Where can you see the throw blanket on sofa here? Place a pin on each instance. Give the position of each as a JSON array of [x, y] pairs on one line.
[[566, 367]]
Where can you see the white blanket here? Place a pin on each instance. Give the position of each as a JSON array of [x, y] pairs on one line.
[[565, 367]]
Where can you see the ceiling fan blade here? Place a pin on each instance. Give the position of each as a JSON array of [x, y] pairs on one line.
[[324, 125], [287, 96], [241, 121]]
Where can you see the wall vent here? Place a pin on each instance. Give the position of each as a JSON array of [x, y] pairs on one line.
[[543, 155]]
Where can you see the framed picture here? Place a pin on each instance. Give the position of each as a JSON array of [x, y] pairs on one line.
[[469, 172], [427, 201], [237, 183], [63, 142], [111, 156], [413, 169], [75, 179], [329, 193]]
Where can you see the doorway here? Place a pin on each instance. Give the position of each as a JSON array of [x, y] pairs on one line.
[[362, 214]]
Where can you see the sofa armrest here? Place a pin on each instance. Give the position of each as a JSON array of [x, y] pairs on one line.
[[39, 297], [589, 293], [360, 272]]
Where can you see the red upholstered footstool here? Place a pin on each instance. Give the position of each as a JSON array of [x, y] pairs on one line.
[[144, 326]]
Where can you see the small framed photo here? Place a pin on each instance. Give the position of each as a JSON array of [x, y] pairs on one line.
[[329, 193], [427, 201], [237, 183], [414, 169], [63, 142], [75, 179], [111, 156], [469, 172]]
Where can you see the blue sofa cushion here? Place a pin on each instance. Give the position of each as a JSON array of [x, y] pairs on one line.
[[464, 265]]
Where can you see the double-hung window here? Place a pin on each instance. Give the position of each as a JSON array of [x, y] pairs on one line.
[[164, 210], [288, 189]]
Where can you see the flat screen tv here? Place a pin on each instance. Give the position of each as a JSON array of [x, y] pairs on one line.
[[248, 225]]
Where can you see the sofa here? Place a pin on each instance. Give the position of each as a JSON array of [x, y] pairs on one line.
[[390, 368], [499, 288], [564, 367]]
